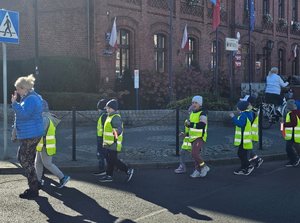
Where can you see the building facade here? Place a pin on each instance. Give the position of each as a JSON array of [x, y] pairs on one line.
[[81, 28]]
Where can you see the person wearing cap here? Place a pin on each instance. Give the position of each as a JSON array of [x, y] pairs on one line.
[[243, 137], [254, 159], [112, 142], [292, 133], [196, 130], [46, 149], [101, 152], [274, 83]]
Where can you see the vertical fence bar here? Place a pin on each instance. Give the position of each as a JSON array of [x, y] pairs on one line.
[[177, 131], [260, 126], [73, 134]]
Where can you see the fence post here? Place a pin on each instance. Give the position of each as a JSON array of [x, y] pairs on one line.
[[260, 126], [177, 131], [73, 134]]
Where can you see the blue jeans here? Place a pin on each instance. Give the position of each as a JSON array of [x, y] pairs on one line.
[[101, 154]]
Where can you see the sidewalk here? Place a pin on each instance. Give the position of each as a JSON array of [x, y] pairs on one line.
[[149, 146]]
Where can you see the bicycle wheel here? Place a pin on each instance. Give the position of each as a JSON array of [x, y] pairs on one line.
[[266, 122]]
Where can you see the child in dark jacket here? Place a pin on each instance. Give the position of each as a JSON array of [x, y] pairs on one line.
[[243, 137]]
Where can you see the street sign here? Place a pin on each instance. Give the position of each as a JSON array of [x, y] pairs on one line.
[[9, 26], [231, 44], [136, 79]]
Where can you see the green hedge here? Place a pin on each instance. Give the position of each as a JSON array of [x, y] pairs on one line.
[[56, 74], [68, 100], [210, 102]]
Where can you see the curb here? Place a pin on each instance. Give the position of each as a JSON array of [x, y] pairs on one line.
[[153, 165]]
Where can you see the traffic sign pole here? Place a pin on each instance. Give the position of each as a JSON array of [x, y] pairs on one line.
[[4, 100]]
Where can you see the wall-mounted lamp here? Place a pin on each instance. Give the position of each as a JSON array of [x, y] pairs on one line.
[[270, 45]]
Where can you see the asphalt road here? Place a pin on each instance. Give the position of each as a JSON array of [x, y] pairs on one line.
[[270, 194]]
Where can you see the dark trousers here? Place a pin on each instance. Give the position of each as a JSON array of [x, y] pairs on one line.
[[290, 151], [113, 161], [101, 154], [26, 157], [243, 154]]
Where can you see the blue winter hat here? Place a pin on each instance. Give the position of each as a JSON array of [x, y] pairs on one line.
[[242, 105]]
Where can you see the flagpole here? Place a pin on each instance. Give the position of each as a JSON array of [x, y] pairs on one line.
[[170, 67], [217, 62], [249, 48]]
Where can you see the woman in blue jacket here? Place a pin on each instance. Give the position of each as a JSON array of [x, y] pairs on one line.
[[29, 129]]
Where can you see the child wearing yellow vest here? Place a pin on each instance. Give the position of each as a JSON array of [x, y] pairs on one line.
[[292, 133], [46, 149], [243, 137]]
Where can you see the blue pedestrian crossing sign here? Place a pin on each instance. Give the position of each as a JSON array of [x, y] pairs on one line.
[[9, 26]]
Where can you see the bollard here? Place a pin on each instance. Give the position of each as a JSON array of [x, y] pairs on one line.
[[73, 134], [177, 131], [260, 116]]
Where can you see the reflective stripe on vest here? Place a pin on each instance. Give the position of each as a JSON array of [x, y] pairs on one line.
[[186, 145], [247, 136], [255, 135], [108, 136], [289, 131], [100, 126], [196, 133], [50, 141]]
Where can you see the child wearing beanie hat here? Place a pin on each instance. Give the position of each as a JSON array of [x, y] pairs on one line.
[[195, 136], [291, 133], [243, 137]]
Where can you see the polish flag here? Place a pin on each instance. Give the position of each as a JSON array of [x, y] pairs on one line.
[[185, 42], [113, 35]]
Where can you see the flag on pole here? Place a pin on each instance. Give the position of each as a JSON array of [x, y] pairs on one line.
[[216, 14], [293, 53], [252, 15], [185, 42], [113, 35], [213, 1]]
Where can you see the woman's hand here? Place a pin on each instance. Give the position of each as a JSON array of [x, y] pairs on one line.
[[14, 97]]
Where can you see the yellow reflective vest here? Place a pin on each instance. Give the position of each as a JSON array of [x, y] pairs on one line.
[[292, 131], [100, 126], [186, 145], [255, 135], [193, 132], [109, 140], [49, 141], [246, 135]]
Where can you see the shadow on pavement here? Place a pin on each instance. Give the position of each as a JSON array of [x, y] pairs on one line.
[[88, 208]]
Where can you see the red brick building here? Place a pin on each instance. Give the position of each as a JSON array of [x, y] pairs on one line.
[[80, 28]]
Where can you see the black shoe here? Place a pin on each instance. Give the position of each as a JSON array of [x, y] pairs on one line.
[[29, 194], [297, 162], [41, 184], [106, 178]]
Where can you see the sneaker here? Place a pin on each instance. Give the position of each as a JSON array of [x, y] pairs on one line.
[[289, 164], [204, 170], [249, 169], [239, 171], [63, 181], [130, 174], [180, 169], [102, 173], [195, 174], [259, 162], [29, 194], [297, 162], [106, 178]]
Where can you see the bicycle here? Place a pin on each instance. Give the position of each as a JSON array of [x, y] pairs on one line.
[[271, 115]]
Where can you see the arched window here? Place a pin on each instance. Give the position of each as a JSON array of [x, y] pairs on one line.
[[213, 54], [295, 10], [281, 63], [123, 52], [280, 8], [159, 52], [266, 61], [191, 54]]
